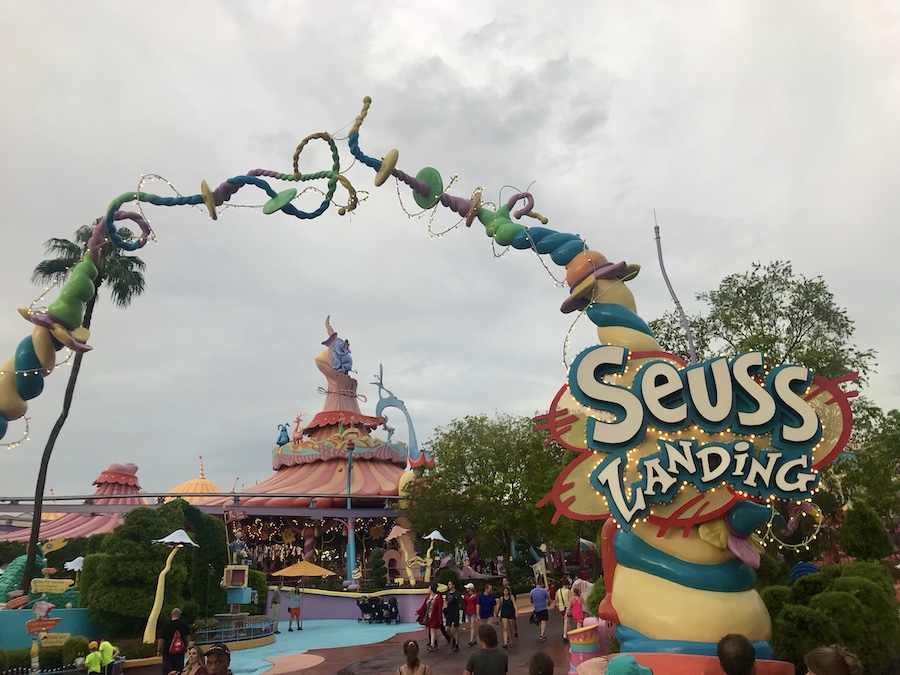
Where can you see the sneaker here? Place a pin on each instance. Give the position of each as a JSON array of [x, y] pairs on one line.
[[543, 639], [504, 646], [431, 648], [454, 648], [290, 630]]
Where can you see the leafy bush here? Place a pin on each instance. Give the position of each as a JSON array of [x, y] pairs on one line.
[[75, 646], [208, 623], [445, 575], [134, 648], [257, 581], [119, 582], [4, 662], [853, 605], [379, 571], [863, 535], [872, 571], [19, 658], [50, 658], [592, 601], [775, 598], [798, 629], [806, 587], [771, 572]]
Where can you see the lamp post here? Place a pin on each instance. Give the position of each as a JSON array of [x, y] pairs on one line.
[[175, 541], [351, 536]]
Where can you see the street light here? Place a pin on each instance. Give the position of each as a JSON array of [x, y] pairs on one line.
[[175, 541], [351, 537]]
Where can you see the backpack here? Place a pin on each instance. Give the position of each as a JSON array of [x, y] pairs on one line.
[[177, 646]]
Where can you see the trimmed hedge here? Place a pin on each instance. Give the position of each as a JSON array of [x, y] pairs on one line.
[[853, 605], [75, 646]]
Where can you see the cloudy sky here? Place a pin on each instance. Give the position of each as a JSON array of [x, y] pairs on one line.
[[758, 131]]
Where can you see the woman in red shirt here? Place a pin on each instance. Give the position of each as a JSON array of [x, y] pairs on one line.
[[431, 615], [471, 599]]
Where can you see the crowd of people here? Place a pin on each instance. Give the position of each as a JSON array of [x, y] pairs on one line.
[[180, 656], [737, 657], [482, 612]]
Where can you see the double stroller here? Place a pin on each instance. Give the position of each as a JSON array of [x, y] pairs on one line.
[[370, 609], [390, 611], [374, 610]]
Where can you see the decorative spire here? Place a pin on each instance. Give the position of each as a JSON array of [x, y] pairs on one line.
[[201, 468]]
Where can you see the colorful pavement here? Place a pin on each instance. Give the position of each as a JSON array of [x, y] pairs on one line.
[[325, 647]]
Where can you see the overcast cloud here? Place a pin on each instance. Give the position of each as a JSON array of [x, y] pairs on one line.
[[757, 130]]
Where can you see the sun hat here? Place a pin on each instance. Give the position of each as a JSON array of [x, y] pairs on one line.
[[625, 664]]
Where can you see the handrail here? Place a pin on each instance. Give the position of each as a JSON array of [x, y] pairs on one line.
[[173, 495]]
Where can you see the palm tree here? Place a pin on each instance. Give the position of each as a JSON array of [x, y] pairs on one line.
[[123, 276]]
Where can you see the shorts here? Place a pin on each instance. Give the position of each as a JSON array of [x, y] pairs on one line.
[[294, 612], [452, 620], [543, 615]]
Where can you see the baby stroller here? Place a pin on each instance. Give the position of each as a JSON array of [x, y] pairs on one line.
[[366, 609], [390, 611], [377, 610]]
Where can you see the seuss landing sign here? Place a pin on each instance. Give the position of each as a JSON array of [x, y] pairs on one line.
[[673, 444]]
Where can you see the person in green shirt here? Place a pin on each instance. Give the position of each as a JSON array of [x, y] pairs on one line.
[[94, 660], [108, 654]]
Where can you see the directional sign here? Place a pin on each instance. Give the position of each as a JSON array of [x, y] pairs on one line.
[[36, 626], [55, 639], [50, 585]]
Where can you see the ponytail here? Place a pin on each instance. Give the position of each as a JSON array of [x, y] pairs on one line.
[[833, 660], [411, 651]]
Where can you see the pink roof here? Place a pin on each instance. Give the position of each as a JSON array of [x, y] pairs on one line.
[[370, 476], [117, 485]]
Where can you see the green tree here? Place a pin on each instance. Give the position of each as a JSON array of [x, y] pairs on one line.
[[118, 584], [794, 319], [863, 535], [379, 571], [488, 476], [870, 472], [123, 276]]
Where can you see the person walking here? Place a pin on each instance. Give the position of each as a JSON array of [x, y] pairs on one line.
[[452, 602], [412, 665], [540, 598], [471, 600], [488, 660], [506, 584], [507, 611], [487, 605], [295, 601], [577, 607], [275, 608], [563, 602], [429, 615], [172, 643]]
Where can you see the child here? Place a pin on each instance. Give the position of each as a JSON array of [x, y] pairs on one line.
[[94, 659], [577, 607]]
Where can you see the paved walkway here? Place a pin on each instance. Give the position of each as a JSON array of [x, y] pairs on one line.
[[325, 647]]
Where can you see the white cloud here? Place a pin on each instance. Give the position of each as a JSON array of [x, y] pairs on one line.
[[758, 131]]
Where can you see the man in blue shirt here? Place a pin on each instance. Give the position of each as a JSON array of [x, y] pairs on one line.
[[487, 606], [539, 598]]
